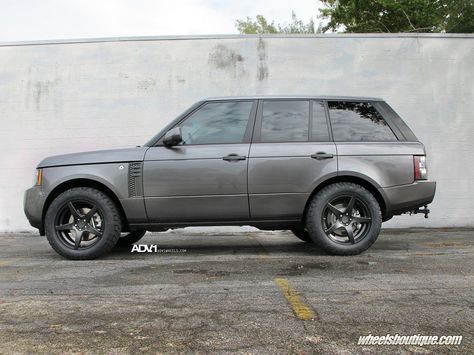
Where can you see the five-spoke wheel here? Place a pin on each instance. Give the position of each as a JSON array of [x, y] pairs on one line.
[[79, 224], [344, 219], [82, 223]]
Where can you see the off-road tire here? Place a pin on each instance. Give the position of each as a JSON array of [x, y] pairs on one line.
[[111, 229], [318, 204]]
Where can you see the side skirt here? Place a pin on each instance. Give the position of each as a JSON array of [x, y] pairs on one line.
[[260, 224]]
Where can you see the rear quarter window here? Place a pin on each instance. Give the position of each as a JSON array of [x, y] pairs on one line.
[[358, 122]]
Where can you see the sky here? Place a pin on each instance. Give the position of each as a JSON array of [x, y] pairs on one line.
[[24, 20]]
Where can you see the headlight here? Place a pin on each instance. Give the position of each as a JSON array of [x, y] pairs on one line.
[[38, 177]]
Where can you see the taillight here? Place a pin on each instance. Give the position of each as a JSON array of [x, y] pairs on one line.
[[419, 164]]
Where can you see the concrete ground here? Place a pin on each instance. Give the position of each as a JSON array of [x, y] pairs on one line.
[[246, 292]]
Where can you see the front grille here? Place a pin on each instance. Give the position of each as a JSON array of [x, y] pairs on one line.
[[135, 179]]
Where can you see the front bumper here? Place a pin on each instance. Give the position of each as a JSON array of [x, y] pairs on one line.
[[33, 203], [405, 198]]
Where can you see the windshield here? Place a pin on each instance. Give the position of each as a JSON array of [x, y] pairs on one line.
[[170, 125]]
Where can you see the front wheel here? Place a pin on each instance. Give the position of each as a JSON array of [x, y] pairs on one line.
[[344, 219], [82, 223]]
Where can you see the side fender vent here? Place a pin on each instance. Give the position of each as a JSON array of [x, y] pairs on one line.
[[135, 187]]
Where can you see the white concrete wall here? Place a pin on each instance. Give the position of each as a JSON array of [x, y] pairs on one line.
[[66, 97]]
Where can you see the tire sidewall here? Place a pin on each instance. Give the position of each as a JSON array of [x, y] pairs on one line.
[[315, 227], [108, 210]]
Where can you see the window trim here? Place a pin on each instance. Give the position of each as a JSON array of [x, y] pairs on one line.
[[248, 129], [396, 133], [390, 121], [328, 123]]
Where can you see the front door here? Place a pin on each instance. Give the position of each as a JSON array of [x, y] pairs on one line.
[[204, 179]]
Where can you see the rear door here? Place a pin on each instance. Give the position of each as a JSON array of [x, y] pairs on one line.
[[291, 152], [205, 177]]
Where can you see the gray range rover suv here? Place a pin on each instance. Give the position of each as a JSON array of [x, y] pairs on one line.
[[330, 169]]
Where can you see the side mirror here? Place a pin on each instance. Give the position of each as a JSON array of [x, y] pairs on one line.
[[173, 137]]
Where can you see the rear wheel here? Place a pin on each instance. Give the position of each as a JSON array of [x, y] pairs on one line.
[[344, 219], [82, 223], [130, 238]]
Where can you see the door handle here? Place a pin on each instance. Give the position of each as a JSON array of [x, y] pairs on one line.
[[321, 156], [234, 157]]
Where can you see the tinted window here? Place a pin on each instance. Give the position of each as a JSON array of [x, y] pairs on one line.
[[319, 129], [217, 122], [358, 121], [285, 121]]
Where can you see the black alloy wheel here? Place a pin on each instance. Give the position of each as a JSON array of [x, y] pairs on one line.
[[344, 219], [82, 223], [78, 224]]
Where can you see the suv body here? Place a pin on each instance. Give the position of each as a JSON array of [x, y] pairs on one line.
[[263, 161]]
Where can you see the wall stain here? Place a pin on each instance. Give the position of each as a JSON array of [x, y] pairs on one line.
[[180, 79], [41, 89], [262, 68], [223, 57], [146, 84]]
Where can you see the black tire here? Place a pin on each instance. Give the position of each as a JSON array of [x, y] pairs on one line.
[[82, 223], [130, 238], [344, 219], [301, 233]]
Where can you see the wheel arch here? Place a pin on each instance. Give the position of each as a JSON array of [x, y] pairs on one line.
[[83, 182], [365, 182]]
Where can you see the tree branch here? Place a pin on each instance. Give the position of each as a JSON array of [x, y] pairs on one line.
[[409, 21]]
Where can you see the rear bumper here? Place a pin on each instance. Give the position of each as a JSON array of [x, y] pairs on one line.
[[33, 203], [404, 198]]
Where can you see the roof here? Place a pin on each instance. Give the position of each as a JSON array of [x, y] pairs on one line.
[[318, 97]]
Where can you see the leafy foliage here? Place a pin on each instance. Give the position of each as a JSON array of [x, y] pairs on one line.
[[399, 15], [366, 16], [260, 26]]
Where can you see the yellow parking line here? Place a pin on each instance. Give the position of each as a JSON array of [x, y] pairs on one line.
[[300, 308], [9, 261]]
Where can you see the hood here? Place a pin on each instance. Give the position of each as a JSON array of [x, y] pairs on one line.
[[95, 157]]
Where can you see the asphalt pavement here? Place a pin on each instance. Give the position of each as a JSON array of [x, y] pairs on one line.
[[237, 292]]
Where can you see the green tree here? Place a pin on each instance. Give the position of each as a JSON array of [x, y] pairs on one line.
[[260, 26], [398, 15], [366, 16], [460, 16]]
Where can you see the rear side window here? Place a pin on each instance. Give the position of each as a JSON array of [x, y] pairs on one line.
[[358, 122], [285, 121]]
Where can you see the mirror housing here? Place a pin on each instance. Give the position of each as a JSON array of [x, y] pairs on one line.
[[173, 137]]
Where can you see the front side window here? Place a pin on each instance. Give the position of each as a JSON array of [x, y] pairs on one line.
[[358, 122], [285, 121], [217, 122]]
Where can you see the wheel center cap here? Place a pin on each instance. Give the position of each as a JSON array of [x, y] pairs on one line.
[[81, 224], [345, 219]]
